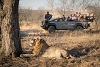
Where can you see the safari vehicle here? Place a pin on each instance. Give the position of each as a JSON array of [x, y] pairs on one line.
[[55, 24]]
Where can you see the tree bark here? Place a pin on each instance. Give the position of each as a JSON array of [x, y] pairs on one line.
[[11, 44], [1, 13]]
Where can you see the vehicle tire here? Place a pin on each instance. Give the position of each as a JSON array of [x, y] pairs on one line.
[[79, 28], [51, 29]]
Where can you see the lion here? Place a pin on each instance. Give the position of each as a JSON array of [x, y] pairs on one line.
[[41, 48]]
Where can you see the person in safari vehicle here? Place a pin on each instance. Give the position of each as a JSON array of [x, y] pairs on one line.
[[48, 16]]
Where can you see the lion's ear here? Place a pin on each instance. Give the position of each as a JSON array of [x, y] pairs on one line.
[[38, 38]]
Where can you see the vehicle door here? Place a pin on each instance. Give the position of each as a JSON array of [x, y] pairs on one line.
[[61, 25], [71, 25]]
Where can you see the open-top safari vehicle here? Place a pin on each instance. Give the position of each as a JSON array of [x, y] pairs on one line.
[[55, 24]]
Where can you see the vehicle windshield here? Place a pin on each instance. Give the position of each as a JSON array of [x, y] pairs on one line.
[[54, 19]]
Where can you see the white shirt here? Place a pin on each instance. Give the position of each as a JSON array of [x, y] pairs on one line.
[[74, 18]]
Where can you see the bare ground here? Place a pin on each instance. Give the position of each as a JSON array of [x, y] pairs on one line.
[[83, 46]]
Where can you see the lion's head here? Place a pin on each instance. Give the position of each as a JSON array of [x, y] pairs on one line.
[[39, 45]]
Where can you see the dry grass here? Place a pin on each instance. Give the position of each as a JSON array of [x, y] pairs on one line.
[[84, 46], [70, 38]]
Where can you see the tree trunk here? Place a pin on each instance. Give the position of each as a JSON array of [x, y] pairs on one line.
[[1, 13], [11, 44]]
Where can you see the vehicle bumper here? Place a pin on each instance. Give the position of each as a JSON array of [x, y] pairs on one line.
[[43, 27]]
